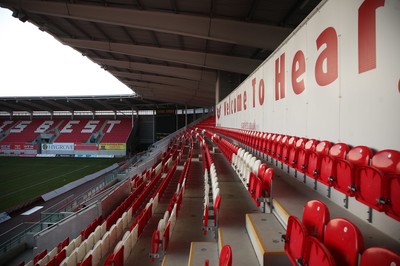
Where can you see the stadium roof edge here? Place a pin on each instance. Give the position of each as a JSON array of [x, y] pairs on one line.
[[89, 103]]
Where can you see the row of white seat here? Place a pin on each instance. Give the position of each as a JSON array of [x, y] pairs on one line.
[[212, 197], [255, 176], [244, 163]]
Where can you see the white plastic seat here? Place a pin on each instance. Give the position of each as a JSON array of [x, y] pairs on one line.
[[97, 253], [105, 243], [81, 251], [134, 235]]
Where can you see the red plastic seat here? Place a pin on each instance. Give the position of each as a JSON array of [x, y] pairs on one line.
[[279, 148], [315, 157], [303, 154], [286, 149], [274, 146], [295, 238], [379, 256], [252, 183], [155, 243], [225, 258], [86, 262], [345, 169], [271, 144], [393, 209], [255, 188], [327, 172], [267, 179], [166, 234], [315, 217], [344, 240], [294, 151], [263, 147], [261, 170], [372, 181], [316, 253]]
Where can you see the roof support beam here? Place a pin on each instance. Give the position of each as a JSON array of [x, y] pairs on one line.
[[36, 105], [155, 90], [187, 100], [5, 109], [60, 105], [106, 105], [200, 59], [184, 83], [82, 105], [208, 76], [236, 32], [16, 107]]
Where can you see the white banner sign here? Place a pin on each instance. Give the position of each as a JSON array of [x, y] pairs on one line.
[[337, 77], [58, 147]]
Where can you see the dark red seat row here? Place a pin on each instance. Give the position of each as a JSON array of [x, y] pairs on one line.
[[317, 240], [373, 179]]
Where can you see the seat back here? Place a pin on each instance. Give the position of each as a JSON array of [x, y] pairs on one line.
[[252, 183], [372, 181], [280, 146], [393, 209], [275, 146], [314, 158], [286, 149], [225, 258], [344, 169], [256, 166], [217, 204], [255, 188], [315, 217], [323, 147], [379, 256], [339, 150], [344, 240], [304, 153], [261, 170], [327, 170], [293, 153], [267, 181], [316, 253], [372, 187], [359, 155], [295, 238], [327, 173], [388, 161]]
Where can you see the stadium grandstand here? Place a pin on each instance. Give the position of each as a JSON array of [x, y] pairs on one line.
[[258, 133]]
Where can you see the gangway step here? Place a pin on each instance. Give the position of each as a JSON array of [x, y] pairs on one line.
[[201, 251], [265, 233]]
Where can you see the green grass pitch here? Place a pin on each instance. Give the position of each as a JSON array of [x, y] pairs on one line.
[[22, 179]]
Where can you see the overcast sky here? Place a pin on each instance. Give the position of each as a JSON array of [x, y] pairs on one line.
[[33, 63]]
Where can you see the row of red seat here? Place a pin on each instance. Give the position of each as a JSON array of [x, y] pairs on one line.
[[259, 180], [161, 235], [226, 147], [373, 179], [70, 130], [123, 248], [52, 258], [99, 237], [317, 240]]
